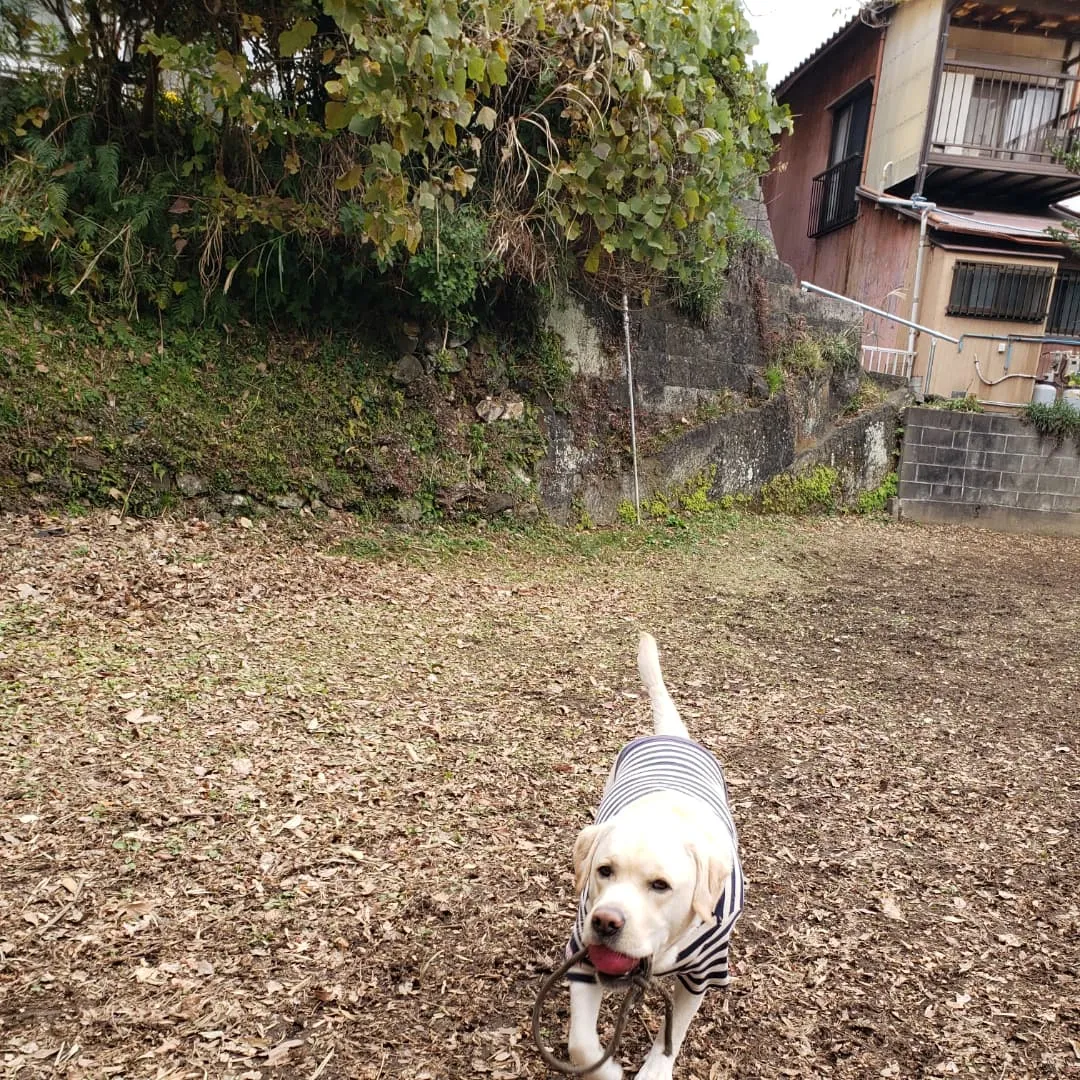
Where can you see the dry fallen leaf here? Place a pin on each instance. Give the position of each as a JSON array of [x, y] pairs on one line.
[[430, 896], [891, 909]]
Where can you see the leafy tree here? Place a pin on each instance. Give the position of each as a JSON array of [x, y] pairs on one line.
[[173, 152]]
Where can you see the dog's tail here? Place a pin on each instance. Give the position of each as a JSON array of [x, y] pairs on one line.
[[665, 716]]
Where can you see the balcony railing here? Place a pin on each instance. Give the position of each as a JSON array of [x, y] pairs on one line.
[[1005, 115], [832, 196]]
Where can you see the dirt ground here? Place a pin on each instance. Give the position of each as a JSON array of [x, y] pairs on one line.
[[266, 810]]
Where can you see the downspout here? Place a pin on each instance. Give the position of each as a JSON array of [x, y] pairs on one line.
[[935, 88], [916, 288], [916, 202]]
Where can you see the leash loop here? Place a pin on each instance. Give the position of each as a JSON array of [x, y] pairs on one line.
[[635, 991]]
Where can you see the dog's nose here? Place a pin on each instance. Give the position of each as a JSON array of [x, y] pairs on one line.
[[607, 922]]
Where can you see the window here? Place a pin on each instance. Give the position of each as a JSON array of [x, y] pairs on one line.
[[1065, 307], [1008, 292], [833, 201]]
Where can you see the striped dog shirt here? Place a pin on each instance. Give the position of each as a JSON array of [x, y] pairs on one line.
[[669, 763]]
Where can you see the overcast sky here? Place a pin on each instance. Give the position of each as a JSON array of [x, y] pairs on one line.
[[790, 30]]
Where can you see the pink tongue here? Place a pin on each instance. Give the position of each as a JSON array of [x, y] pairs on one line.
[[611, 962]]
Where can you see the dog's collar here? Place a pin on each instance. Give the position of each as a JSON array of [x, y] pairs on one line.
[[642, 971]]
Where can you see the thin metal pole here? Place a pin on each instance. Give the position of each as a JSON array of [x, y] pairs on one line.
[[630, 389], [810, 287]]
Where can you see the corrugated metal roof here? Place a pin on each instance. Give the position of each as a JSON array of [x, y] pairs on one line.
[[1030, 228], [1023, 228]]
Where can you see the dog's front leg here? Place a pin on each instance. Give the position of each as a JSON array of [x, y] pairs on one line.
[[584, 1041], [658, 1065]]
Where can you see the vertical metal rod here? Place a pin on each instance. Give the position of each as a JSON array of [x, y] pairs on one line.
[[630, 390]]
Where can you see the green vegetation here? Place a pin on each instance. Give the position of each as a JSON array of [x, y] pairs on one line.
[[677, 505], [299, 160], [869, 395], [706, 410], [967, 404], [874, 502], [804, 354], [817, 491], [109, 413], [1058, 421], [774, 377]]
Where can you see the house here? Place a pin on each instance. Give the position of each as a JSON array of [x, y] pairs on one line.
[[923, 179]]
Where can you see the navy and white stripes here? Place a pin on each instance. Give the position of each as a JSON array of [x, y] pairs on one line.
[[668, 763]]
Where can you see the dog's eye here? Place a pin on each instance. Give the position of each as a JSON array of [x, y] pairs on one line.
[[659, 885], [605, 871]]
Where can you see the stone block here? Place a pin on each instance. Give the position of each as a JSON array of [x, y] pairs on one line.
[[1002, 462], [914, 491], [954, 456], [935, 436], [1019, 479], [1005, 425], [1034, 500], [1028, 444], [993, 444], [1067, 503], [1057, 485], [985, 479], [932, 474]]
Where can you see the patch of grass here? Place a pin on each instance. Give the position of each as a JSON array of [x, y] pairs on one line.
[[1057, 421], [774, 377], [873, 502], [968, 404], [814, 492], [689, 499], [541, 364], [111, 414], [706, 410], [804, 354], [428, 546], [869, 395]]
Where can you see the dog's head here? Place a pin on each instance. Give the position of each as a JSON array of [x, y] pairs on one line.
[[651, 873]]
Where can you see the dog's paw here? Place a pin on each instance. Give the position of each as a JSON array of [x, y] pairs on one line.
[[656, 1067], [610, 1070]]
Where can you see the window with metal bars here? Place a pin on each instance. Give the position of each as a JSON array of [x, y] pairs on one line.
[[1064, 315], [1003, 291]]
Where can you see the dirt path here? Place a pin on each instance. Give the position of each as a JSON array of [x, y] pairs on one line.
[[267, 811]]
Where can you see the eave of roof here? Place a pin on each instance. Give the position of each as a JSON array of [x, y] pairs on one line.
[[843, 32], [1030, 229]]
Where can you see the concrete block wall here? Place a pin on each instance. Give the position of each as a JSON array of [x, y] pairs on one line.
[[990, 470]]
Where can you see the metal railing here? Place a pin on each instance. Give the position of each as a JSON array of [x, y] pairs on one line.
[[881, 361], [1064, 317], [833, 201], [1005, 114]]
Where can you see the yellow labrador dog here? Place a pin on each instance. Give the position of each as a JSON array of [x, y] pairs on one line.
[[659, 880]]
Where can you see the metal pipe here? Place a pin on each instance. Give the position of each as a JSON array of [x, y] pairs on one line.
[[994, 382], [630, 390], [1029, 339], [940, 48], [809, 286], [916, 288]]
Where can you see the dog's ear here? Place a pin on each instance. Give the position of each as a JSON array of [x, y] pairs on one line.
[[584, 850], [714, 864]]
